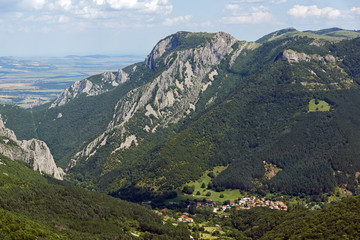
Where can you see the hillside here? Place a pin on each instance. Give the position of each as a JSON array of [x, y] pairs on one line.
[[265, 121], [287, 102], [35, 207], [336, 221]]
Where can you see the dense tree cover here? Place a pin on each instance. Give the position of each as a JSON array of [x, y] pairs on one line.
[[336, 221], [31, 207], [265, 118]]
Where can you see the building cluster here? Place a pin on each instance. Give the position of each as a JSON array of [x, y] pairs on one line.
[[206, 202], [247, 203], [244, 203], [185, 218]]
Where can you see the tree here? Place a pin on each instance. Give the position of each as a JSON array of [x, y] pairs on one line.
[[188, 189], [211, 174]]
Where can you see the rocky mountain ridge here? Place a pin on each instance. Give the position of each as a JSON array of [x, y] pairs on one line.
[[201, 100], [33, 151], [172, 95], [91, 86]]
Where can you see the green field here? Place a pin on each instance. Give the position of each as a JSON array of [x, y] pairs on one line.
[[229, 194], [318, 106]]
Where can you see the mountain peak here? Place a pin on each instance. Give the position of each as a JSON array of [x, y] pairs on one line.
[[167, 44], [184, 41]]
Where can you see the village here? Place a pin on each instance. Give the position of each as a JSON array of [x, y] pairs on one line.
[[242, 204]]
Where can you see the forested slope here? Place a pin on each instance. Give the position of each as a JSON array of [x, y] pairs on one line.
[[267, 121], [337, 221], [35, 207]]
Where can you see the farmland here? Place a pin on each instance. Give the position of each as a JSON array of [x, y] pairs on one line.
[[32, 81]]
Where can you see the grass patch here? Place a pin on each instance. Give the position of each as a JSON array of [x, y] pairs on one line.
[[229, 194], [318, 106]]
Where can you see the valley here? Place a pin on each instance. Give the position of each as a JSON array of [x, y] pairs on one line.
[[208, 137]]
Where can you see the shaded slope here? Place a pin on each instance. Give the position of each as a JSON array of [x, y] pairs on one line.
[[34, 207]]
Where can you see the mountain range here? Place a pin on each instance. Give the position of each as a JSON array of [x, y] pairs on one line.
[[280, 113]]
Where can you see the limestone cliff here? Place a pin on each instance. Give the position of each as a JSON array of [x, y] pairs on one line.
[[293, 56], [33, 151], [172, 95], [91, 86]]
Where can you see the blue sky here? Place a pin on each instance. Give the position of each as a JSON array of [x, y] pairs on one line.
[[62, 27]]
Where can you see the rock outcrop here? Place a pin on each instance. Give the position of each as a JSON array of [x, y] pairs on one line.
[[165, 45], [169, 97], [293, 56], [91, 86], [33, 151]]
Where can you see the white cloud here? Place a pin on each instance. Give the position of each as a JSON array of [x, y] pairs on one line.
[[65, 4], [158, 6], [260, 1], [176, 20], [89, 13], [355, 10], [249, 1], [303, 11], [254, 17], [278, 1], [142, 5], [35, 4], [63, 19], [240, 15], [122, 4]]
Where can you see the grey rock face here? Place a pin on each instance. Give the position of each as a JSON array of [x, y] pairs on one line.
[[293, 56], [169, 97], [34, 152], [105, 82], [163, 46]]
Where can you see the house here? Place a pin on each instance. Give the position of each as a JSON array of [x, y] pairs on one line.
[[185, 218]]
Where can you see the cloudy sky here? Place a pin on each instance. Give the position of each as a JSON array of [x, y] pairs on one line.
[[62, 27]]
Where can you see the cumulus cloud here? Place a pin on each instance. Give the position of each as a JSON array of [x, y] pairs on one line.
[[254, 17], [278, 1], [248, 1], [145, 5], [260, 1], [35, 4], [84, 12], [355, 10], [303, 11], [149, 6], [65, 4], [176, 20]]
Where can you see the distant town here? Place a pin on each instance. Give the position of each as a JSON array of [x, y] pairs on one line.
[[220, 208]]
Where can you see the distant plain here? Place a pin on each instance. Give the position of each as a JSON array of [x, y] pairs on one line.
[[30, 81]]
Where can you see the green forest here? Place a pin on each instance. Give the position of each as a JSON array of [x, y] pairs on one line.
[[37, 207]]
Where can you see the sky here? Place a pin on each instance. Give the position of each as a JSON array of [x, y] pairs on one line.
[[113, 27]]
